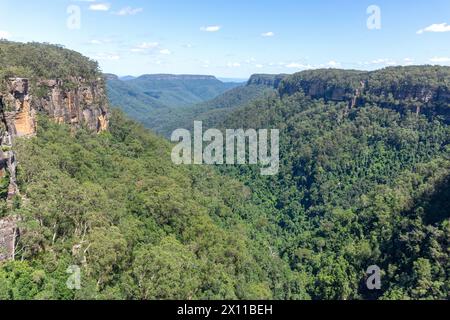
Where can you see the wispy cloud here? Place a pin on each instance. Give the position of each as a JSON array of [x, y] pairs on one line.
[[408, 61], [233, 64], [95, 41], [165, 51], [380, 62], [437, 27], [100, 7], [268, 34], [106, 56], [333, 64], [438, 60], [128, 11], [296, 65], [4, 34], [211, 28], [148, 45], [150, 48]]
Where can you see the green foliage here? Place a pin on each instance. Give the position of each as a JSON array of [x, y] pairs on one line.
[[165, 121], [357, 187], [156, 99], [45, 61], [138, 226]]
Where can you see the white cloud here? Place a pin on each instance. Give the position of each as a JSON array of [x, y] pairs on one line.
[[4, 34], [385, 62], [211, 28], [295, 65], [408, 61], [268, 34], [440, 59], [94, 41], [128, 11], [437, 27], [100, 7], [259, 66], [165, 51], [107, 56], [206, 63], [233, 64], [148, 45], [333, 64]]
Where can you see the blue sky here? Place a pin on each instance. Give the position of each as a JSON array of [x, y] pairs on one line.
[[235, 38]]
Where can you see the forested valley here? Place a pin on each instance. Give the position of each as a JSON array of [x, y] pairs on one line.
[[363, 180]]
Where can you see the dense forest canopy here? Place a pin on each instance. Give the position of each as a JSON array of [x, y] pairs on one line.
[[44, 61], [138, 226], [364, 184], [364, 180]]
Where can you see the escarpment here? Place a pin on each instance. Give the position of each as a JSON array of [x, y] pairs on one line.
[[76, 102], [419, 89], [268, 80]]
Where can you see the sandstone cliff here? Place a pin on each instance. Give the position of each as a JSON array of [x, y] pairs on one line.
[[77, 102], [420, 89], [268, 80], [8, 234]]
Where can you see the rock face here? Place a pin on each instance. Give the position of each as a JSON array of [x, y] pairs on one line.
[[84, 103], [76, 102], [8, 234], [268, 80], [420, 89]]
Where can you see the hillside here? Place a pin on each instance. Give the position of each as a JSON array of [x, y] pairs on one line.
[[364, 179], [115, 205], [164, 120], [419, 89], [141, 97], [110, 204]]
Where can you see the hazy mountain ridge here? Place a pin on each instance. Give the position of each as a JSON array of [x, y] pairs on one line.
[[147, 96], [209, 112], [137, 98], [164, 90]]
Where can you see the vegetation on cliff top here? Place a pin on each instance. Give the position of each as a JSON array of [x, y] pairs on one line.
[[44, 61]]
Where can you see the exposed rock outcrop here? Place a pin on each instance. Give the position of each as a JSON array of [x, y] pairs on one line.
[[419, 89], [77, 102], [268, 80], [84, 104], [8, 234]]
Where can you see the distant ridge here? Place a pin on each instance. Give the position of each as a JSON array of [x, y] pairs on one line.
[[268, 80], [163, 76], [142, 96], [127, 78]]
